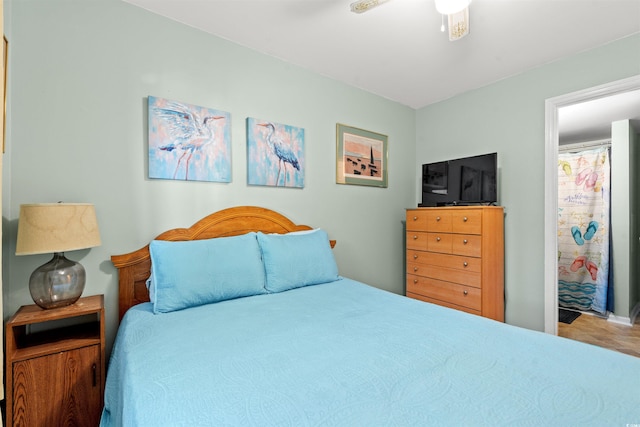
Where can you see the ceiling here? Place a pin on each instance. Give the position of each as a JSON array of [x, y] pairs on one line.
[[396, 50]]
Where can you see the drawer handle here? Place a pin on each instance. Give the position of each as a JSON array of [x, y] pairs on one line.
[[415, 237], [465, 219], [437, 239], [415, 256], [465, 293], [415, 268], [415, 280], [465, 263], [465, 241], [437, 218], [415, 218]]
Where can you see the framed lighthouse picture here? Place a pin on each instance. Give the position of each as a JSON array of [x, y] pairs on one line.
[[361, 157], [275, 154]]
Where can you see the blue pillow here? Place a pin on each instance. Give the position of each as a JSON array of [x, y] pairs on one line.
[[297, 259], [197, 272]]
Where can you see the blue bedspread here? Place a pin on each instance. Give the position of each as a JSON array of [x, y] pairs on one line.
[[347, 354]]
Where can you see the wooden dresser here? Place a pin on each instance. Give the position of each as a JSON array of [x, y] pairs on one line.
[[455, 258]]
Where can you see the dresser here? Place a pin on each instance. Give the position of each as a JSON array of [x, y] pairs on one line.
[[455, 258]]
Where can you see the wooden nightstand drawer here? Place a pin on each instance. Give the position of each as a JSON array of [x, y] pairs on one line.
[[453, 293]]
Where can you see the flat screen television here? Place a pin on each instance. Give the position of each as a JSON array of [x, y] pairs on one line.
[[466, 181]]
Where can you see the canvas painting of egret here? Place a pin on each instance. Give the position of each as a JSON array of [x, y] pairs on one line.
[[188, 142], [361, 157], [275, 154]]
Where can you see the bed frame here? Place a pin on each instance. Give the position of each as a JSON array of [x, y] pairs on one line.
[[134, 268]]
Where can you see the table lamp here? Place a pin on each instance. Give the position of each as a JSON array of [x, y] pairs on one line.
[[58, 228]]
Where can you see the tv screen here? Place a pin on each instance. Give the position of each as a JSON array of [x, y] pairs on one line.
[[466, 181]]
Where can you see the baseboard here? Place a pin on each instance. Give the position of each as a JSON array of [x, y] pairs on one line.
[[619, 319], [634, 313]]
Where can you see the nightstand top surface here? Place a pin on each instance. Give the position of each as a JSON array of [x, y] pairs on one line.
[[32, 313]]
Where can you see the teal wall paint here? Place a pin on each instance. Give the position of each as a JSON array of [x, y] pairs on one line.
[[80, 75], [508, 117], [634, 227], [622, 151]]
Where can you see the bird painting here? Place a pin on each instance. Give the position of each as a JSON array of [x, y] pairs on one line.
[[275, 154], [188, 142]]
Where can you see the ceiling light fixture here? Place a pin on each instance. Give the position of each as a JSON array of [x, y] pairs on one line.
[[457, 12]]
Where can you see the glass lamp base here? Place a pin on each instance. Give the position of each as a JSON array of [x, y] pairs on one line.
[[58, 283]]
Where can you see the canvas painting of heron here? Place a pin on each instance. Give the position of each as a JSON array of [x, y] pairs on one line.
[[275, 154], [188, 142]]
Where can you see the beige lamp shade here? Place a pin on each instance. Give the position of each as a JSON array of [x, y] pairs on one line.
[[56, 227]]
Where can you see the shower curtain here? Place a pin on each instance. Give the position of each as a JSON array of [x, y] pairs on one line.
[[583, 229]]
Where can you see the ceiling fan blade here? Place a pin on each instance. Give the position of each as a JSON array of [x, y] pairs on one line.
[[362, 6]]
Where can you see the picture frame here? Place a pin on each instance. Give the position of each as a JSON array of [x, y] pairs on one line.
[[188, 142], [361, 157], [275, 154]]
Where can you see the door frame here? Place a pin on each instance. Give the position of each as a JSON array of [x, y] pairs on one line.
[[552, 105]]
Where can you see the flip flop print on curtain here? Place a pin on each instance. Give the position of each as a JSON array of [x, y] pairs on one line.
[[582, 261], [588, 177], [588, 235]]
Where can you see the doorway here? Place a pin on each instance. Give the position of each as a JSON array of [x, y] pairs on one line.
[[552, 125]]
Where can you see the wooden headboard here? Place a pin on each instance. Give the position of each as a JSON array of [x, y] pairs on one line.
[[134, 268]]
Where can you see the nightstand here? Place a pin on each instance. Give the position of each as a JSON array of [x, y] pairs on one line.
[[55, 364]]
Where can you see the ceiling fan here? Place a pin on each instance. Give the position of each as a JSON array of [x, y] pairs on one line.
[[457, 12]]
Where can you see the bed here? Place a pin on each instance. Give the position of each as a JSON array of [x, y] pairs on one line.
[[299, 345]]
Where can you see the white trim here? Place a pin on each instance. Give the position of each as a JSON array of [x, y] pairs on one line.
[[587, 145], [621, 320], [551, 186], [634, 313]]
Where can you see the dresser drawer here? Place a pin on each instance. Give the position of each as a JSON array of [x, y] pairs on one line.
[[465, 244], [439, 242], [466, 221], [417, 220], [444, 304], [439, 220], [452, 293], [446, 274], [465, 263], [417, 240]]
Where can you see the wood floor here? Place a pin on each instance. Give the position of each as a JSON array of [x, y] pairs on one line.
[[598, 331]]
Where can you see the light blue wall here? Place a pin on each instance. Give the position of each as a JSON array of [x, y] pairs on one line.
[[80, 73], [623, 240], [508, 117], [634, 227]]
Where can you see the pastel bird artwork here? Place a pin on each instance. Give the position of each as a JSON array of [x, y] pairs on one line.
[[282, 151], [189, 133]]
